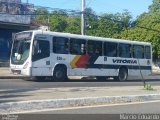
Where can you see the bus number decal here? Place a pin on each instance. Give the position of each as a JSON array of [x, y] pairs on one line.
[[60, 58]]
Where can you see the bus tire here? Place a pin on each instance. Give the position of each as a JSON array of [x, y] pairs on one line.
[[123, 74], [60, 74]]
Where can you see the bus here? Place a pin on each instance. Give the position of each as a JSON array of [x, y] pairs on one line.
[[57, 55]]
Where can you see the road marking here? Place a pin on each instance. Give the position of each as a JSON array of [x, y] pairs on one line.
[[81, 107]]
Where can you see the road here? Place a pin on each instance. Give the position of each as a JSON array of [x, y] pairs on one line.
[[150, 107], [87, 113], [31, 84], [135, 111]]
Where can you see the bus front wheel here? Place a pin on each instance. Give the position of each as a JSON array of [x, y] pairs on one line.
[[60, 74], [123, 75]]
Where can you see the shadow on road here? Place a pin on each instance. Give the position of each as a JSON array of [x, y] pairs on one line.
[[89, 80]]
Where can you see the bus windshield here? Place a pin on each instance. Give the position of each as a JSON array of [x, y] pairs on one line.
[[21, 48]]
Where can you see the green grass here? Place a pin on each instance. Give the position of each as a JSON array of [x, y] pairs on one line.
[[148, 87]]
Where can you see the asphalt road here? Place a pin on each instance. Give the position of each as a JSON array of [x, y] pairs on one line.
[[134, 111], [150, 107], [31, 84]]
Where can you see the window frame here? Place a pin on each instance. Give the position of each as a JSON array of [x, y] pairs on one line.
[[39, 56], [143, 54], [95, 47], [77, 41], [59, 46], [149, 53], [105, 49], [130, 50]]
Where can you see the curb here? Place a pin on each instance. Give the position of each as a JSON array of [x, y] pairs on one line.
[[37, 105]]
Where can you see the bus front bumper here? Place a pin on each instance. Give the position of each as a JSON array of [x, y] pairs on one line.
[[24, 72]]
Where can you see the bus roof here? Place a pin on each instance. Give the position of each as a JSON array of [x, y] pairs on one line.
[[87, 37]]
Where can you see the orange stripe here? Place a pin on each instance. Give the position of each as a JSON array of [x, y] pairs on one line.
[[73, 62]]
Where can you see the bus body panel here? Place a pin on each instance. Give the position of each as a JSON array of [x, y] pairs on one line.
[[82, 65], [24, 69]]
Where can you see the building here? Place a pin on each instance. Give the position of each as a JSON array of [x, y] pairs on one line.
[[14, 17]]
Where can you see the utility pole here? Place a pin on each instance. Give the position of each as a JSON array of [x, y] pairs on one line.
[[83, 18]]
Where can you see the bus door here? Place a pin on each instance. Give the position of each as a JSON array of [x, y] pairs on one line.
[[41, 58]]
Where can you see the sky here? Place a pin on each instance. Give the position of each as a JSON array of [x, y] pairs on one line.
[[136, 7]]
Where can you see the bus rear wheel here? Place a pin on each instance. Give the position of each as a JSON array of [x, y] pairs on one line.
[[123, 75], [60, 74]]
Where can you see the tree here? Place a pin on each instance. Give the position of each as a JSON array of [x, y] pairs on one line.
[[42, 14], [58, 21], [155, 6], [119, 25], [110, 25], [73, 25], [91, 21], [146, 28]]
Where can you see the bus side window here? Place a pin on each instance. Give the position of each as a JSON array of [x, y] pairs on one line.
[[60, 45], [110, 49], [138, 51], [94, 48], [125, 50], [41, 50], [147, 52], [77, 46]]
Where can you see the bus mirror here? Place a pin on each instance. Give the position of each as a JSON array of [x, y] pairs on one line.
[[16, 54]]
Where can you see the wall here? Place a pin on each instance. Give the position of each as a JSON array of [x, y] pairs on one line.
[[6, 42]]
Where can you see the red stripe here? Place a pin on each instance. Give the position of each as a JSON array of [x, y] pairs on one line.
[[82, 61]]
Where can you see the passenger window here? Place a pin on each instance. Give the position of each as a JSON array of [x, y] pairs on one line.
[[60, 45], [148, 52], [94, 48], [77, 46], [110, 49], [41, 49], [138, 51], [125, 50]]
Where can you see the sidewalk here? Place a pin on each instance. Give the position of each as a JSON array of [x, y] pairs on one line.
[[75, 92], [22, 101], [5, 73]]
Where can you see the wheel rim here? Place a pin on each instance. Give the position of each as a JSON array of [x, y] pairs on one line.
[[59, 74]]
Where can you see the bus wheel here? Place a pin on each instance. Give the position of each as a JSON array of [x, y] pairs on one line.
[[60, 74], [123, 75]]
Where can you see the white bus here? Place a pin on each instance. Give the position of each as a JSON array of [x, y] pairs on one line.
[[59, 55]]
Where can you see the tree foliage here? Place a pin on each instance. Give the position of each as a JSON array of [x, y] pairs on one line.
[[155, 6], [119, 25], [146, 28], [58, 21]]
